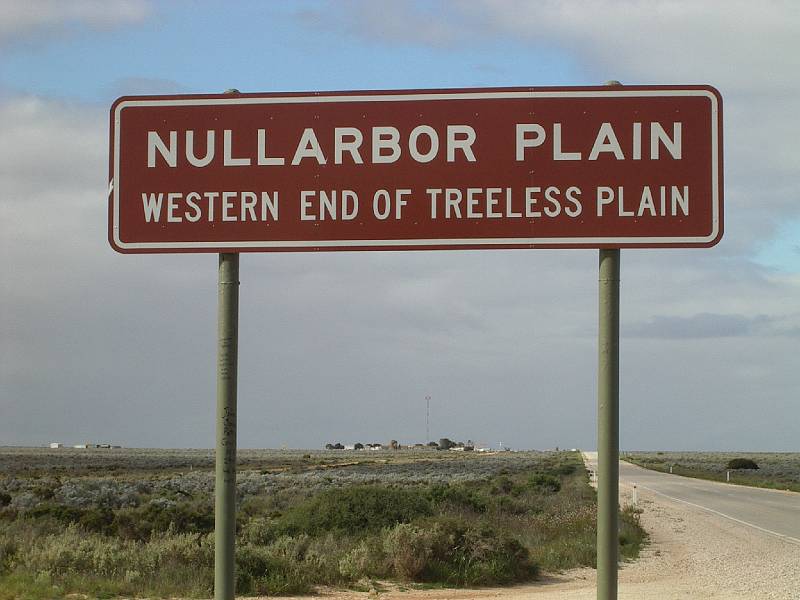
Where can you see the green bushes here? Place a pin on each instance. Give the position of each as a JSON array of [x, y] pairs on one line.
[[631, 535], [409, 549], [133, 523], [355, 509], [457, 497], [74, 552], [456, 553], [498, 529], [545, 483], [742, 463], [260, 571], [365, 559]]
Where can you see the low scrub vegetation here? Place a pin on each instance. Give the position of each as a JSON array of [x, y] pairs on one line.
[[742, 463], [490, 520], [779, 470]]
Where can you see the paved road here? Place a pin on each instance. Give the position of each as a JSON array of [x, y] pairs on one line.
[[774, 512]]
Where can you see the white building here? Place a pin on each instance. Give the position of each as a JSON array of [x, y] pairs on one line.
[[56, 445]]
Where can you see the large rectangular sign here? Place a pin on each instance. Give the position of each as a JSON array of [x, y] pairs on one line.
[[589, 167]]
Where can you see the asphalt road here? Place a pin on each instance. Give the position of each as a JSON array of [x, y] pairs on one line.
[[771, 511]]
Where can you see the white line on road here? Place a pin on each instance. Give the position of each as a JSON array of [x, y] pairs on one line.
[[788, 538]]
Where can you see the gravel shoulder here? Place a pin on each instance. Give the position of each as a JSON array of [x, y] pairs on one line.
[[692, 554]]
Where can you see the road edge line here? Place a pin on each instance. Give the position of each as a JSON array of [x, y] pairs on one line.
[[783, 536]]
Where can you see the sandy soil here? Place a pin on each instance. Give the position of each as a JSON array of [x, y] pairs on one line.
[[692, 554]]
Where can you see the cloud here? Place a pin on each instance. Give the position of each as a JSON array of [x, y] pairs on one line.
[[740, 45], [702, 325], [394, 23], [145, 86], [26, 20], [48, 147], [721, 42], [750, 51], [96, 345]]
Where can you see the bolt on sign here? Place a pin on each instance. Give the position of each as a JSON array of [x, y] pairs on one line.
[[566, 167]]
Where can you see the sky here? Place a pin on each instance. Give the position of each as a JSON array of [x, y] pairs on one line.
[[104, 347]]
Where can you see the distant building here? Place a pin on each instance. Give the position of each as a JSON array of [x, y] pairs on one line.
[[56, 445], [349, 446], [83, 446]]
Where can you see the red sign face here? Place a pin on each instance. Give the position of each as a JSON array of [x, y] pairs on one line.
[[591, 167]]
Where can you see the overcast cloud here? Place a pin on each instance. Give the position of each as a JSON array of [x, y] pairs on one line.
[[345, 346], [32, 21]]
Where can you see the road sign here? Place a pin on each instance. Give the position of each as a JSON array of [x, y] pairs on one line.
[[589, 167]]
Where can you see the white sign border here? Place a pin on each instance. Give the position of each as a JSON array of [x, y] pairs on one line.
[[438, 242]]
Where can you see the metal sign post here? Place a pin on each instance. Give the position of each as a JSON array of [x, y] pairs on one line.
[[225, 481], [608, 425]]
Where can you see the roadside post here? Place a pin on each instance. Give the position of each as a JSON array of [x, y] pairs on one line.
[[225, 455], [591, 167], [608, 425], [608, 420], [225, 471]]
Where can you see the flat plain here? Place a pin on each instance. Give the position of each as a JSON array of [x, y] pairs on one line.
[[778, 470], [106, 522]]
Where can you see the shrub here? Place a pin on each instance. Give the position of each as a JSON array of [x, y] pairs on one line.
[[258, 531], [456, 553], [509, 506], [323, 555], [409, 549], [487, 558], [290, 548], [631, 535], [100, 520], [542, 482], [457, 496], [5, 499], [355, 509], [366, 559], [8, 548], [566, 468], [742, 463], [258, 571], [55, 512], [503, 485], [140, 523]]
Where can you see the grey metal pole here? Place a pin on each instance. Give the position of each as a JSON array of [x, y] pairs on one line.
[[225, 482], [608, 425]]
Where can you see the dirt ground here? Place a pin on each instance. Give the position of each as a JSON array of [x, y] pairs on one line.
[[691, 554]]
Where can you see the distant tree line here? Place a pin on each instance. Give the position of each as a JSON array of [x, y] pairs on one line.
[[442, 444]]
